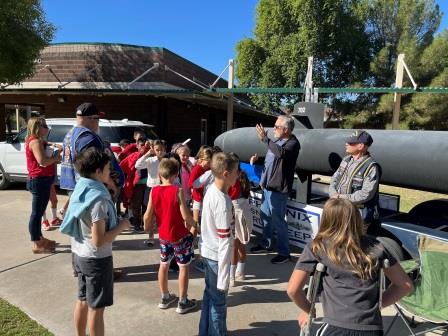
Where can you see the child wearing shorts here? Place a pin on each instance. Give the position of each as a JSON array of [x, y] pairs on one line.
[[92, 223], [239, 194], [174, 222]]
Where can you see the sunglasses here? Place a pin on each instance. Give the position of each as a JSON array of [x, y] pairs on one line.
[[94, 118], [44, 126]]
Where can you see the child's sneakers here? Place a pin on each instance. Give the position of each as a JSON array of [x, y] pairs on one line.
[[56, 222], [149, 242], [240, 276], [186, 306], [232, 282], [138, 229], [45, 225], [166, 302]]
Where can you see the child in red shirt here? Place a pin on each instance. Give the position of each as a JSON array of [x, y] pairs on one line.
[[174, 221], [202, 165]]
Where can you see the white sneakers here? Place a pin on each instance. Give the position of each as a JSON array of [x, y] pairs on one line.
[[239, 277]]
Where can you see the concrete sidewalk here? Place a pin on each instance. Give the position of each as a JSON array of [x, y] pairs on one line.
[[44, 288]]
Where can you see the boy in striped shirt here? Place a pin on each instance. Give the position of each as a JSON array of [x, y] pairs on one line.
[[217, 242]]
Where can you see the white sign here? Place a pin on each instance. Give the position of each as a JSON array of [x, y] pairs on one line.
[[303, 220]]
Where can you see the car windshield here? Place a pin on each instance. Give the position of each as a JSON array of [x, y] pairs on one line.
[[58, 132], [115, 134]]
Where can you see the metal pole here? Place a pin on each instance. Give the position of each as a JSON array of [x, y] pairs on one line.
[[313, 290], [154, 66], [309, 80], [230, 98], [397, 96]]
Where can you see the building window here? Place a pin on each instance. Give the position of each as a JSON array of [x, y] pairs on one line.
[[17, 116]]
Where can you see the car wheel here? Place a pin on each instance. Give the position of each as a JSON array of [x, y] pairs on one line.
[[4, 182], [392, 247]]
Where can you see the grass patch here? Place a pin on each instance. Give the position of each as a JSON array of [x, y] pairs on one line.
[[15, 322]]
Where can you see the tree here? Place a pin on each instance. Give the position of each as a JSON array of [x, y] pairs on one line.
[[24, 31], [287, 32], [399, 26], [353, 42], [430, 111]]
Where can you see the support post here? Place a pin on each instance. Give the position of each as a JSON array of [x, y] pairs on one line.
[[303, 187], [309, 81], [397, 95], [230, 97]]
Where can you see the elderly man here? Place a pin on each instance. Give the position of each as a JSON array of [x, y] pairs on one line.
[[85, 135], [357, 178], [276, 181]]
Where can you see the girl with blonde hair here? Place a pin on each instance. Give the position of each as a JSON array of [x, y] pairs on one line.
[[41, 172], [351, 293]]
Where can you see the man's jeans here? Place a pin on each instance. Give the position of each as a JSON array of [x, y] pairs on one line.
[[214, 303], [272, 212], [40, 189]]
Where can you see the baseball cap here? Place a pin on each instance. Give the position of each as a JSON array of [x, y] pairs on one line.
[[360, 136], [88, 109]]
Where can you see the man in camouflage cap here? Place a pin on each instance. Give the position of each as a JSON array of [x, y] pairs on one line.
[[357, 178]]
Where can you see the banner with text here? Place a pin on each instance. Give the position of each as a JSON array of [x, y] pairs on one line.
[[303, 220]]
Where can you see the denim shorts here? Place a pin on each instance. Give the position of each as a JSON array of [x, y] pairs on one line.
[[182, 250], [95, 280]]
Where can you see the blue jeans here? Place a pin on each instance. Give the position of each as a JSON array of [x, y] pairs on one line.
[[272, 213], [214, 303], [40, 189]]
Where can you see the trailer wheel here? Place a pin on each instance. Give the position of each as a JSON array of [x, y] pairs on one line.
[[392, 247]]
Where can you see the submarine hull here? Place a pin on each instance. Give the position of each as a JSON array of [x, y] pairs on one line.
[[411, 159]]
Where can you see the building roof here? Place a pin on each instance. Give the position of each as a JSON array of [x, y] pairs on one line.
[[110, 68]]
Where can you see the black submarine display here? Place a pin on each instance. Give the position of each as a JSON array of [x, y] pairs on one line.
[[410, 159]]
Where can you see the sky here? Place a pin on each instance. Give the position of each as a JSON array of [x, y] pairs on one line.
[[202, 31]]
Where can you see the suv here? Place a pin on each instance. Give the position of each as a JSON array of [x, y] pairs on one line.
[[12, 152]]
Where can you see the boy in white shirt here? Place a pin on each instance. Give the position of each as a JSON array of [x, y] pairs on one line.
[[217, 242]]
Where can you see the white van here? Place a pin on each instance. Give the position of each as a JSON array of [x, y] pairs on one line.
[[12, 152]]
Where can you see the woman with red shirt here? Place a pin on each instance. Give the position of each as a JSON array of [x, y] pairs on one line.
[[41, 172]]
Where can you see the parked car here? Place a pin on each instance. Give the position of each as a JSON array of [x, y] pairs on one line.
[[12, 151]]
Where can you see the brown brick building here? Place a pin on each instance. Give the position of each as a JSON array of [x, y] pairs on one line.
[[167, 97]]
